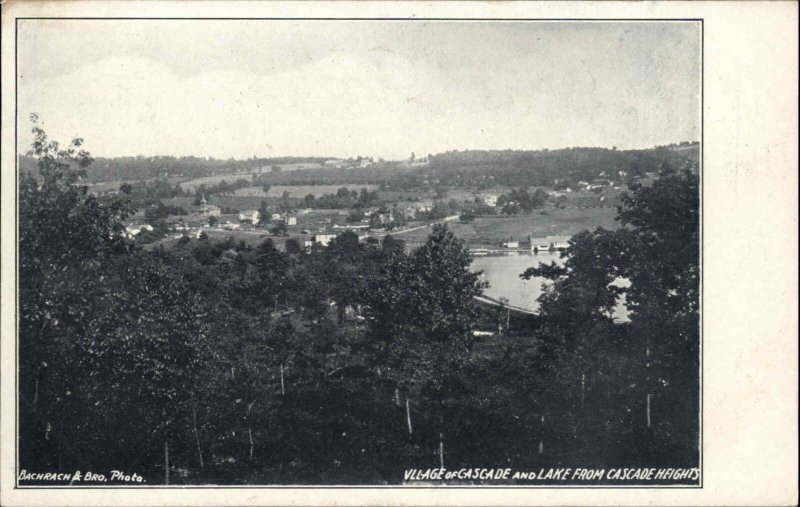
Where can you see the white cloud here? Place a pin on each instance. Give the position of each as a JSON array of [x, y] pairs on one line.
[[571, 89]]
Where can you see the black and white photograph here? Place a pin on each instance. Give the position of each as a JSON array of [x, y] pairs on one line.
[[318, 252]]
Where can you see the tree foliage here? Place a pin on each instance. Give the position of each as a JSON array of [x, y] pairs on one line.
[[349, 363], [653, 261]]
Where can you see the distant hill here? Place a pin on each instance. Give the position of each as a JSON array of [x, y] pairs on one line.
[[567, 166], [486, 169], [140, 168], [468, 169]]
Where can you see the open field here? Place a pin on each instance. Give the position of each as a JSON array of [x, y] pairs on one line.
[[241, 203], [461, 194], [252, 237], [208, 181], [610, 197], [298, 191], [489, 231], [109, 186]]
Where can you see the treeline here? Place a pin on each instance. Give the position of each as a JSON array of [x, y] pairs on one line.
[[342, 199], [486, 169], [465, 169], [520, 200], [546, 167], [140, 167], [346, 364]]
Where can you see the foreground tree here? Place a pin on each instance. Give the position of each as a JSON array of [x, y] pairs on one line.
[[652, 363], [421, 318], [109, 339]]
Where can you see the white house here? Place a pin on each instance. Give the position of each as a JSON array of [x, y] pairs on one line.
[[415, 208], [276, 216], [249, 216], [600, 183], [291, 220], [549, 243], [299, 165], [511, 244], [323, 239], [131, 230], [351, 227], [490, 200]]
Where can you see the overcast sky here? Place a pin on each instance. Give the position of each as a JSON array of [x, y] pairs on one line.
[[344, 88]]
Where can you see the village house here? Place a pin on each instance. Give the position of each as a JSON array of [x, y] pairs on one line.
[[334, 162], [511, 244], [600, 183], [291, 220], [208, 210], [298, 166], [323, 239], [549, 243], [249, 217], [351, 227], [412, 211], [490, 200], [131, 230], [275, 216]]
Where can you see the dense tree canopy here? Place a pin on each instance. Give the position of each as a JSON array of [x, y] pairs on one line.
[[348, 363], [653, 261]]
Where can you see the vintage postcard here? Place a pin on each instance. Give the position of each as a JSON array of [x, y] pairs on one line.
[[376, 253]]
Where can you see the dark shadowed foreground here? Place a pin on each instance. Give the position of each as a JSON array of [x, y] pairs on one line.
[[347, 364]]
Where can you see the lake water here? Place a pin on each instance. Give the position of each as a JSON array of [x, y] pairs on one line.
[[502, 272]]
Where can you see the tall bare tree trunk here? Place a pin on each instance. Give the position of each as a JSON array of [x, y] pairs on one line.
[[441, 450], [197, 436], [541, 440], [397, 396], [283, 388], [583, 387], [250, 428], [647, 383], [441, 432], [166, 462], [408, 417]]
